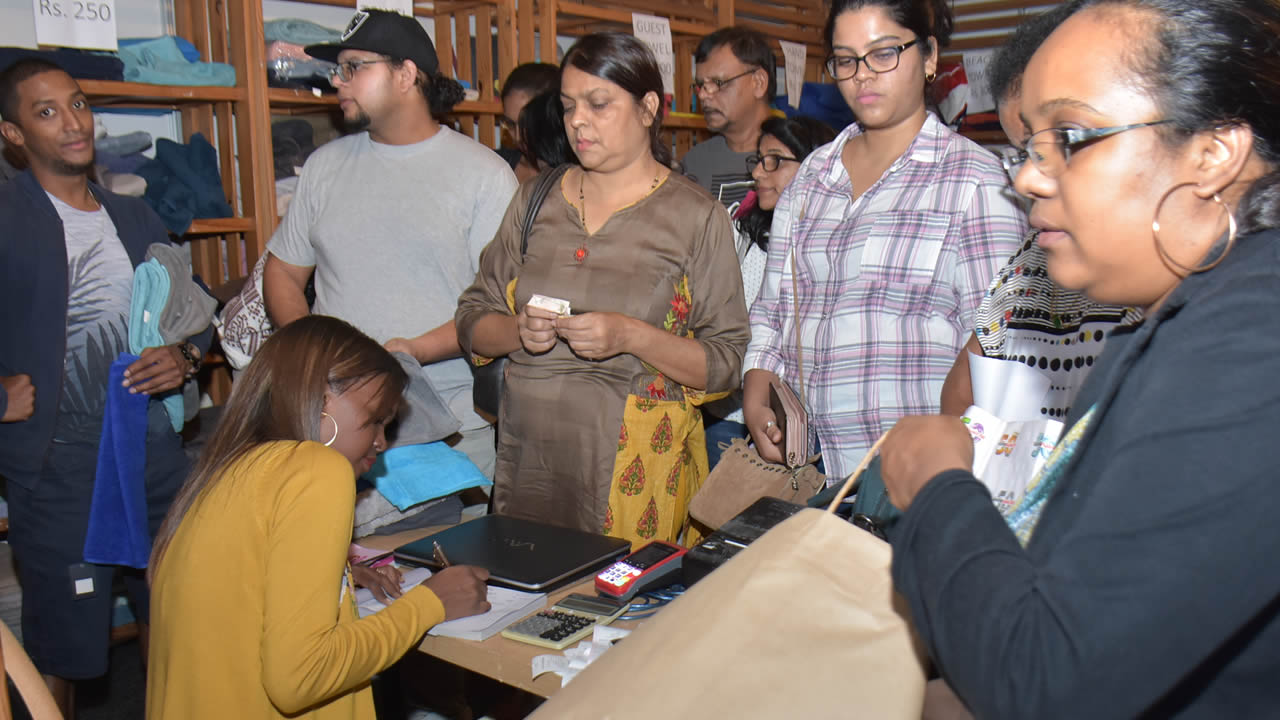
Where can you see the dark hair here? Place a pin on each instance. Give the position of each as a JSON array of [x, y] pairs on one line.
[[1212, 64], [749, 46], [533, 78], [440, 92], [15, 75], [626, 62], [280, 397], [802, 135], [926, 18], [541, 130], [1004, 72]]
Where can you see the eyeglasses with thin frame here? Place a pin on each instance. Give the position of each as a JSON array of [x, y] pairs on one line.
[[1050, 150], [711, 86], [347, 70], [880, 60], [770, 162]]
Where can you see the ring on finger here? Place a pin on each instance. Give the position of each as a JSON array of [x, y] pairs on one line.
[[768, 424]]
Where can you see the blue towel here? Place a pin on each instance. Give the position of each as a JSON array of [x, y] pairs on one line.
[[117, 532], [150, 294], [160, 61], [413, 474]]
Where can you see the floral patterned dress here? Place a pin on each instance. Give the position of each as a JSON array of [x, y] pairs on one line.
[[612, 446]]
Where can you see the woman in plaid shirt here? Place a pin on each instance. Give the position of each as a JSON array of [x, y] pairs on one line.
[[893, 231]]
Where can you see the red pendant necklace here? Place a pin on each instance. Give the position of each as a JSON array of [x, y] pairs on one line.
[[581, 253]]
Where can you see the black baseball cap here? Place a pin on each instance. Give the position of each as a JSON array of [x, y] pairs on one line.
[[384, 32]]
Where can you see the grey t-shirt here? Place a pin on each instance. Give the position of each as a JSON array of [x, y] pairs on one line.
[[394, 233], [711, 164], [99, 290]]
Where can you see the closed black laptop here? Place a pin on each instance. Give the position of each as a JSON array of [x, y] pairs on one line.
[[522, 554]]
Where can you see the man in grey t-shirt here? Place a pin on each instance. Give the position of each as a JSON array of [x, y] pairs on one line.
[[391, 221], [735, 80]]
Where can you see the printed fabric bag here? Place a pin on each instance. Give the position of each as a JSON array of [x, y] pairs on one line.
[[803, 623]]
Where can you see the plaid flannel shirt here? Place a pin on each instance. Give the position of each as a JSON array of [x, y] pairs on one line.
[[888, 284]]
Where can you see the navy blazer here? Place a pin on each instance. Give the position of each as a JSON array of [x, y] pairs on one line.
[[33, 305]]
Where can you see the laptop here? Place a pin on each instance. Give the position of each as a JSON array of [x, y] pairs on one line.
[[518, 553]]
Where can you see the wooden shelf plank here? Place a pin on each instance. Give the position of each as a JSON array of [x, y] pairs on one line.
[[112, 92], [220, 226], [684, 120], [284, 97]]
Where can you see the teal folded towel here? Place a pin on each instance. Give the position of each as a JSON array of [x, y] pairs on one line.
[[413, 474], [150, 294], [160, 61]]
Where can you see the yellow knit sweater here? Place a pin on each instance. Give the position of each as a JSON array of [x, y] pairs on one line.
[[251, 613]]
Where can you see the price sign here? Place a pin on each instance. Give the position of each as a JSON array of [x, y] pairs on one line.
[[795, 56], [88, 24], [404, 7], [976, 65]]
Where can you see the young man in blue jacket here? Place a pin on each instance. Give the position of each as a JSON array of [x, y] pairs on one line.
[[68, 249]]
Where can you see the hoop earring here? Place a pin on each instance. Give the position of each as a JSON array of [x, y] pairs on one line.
[[928, 79], [324, 415], [1164, 254]]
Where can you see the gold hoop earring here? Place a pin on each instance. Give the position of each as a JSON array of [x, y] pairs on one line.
[[1164, 254], [928, 79], [324, 415]]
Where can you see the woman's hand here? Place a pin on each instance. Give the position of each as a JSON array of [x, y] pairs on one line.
[[596, 335], [918, 449], [383, 582], [461, 590], [537, 329], [760, 419]]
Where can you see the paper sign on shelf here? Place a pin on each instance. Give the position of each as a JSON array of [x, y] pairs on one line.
[[656, 33], [404, 7], [87, 24], [795, 55], [976, 65]]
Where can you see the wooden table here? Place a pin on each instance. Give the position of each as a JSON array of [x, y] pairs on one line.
[[502, 659]]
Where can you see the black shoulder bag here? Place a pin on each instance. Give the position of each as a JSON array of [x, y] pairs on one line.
[[486, 390]]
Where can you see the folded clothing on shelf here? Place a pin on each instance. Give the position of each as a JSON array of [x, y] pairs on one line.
[[183, 183], [160, 61], [298, 32], [77, 63]]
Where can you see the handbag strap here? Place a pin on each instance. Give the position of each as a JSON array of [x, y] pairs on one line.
[[853, 476], [795, 315], [541, 189]]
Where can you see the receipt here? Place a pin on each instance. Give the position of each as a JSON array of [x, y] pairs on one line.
[[550, 663], [607, 634]]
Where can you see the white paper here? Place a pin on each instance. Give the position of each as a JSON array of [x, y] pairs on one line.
[[409, 579], [1009, 390], [549, 663], [1007, 456], [87, 24], [794, 55], [608, 634], [656, 33], [404, 7], [976, 64], [556, 305], [506, 606]]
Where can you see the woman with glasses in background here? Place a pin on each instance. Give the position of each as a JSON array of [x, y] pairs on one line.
[[784, 144], [892, 233], [1137, 579]]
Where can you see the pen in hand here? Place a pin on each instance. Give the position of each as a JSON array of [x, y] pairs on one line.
[[439, 555]]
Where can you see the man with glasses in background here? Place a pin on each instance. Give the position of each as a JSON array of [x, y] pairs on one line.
[[735, 80], [391, 220]]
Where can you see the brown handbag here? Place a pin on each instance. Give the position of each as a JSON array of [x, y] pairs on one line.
[[742, 477]]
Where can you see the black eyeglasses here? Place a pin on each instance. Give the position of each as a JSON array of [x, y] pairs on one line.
[[770, 162], [347, 70], [711, 86], [1050, 150], [880, 60]]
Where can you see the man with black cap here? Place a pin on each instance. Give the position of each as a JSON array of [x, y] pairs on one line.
[[392, 220]]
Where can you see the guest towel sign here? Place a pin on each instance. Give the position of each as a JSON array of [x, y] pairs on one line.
[[87, 24], [404, 7], [656, 33], [794, 54]]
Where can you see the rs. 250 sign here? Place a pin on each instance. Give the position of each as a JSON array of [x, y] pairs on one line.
[[89, 24]]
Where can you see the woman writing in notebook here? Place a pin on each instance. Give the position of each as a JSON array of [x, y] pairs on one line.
[[253, 614]]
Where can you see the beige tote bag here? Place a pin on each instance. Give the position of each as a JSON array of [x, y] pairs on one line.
[[803, 623]]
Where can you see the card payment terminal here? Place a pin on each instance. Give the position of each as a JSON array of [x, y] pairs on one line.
[[654, 565]]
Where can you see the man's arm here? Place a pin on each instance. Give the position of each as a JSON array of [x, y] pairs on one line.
[[283, 290], [429, 347]]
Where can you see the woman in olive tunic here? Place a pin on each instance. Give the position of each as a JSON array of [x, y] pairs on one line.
[[600, 427]]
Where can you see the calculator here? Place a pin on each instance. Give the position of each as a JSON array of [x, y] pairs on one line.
[[566, 622]]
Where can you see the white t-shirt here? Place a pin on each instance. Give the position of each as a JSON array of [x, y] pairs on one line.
[[394, 233]]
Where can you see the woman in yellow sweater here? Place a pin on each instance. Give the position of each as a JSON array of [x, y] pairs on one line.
[[252, 602]]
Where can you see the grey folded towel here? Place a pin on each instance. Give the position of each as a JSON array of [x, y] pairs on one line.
[[425, 417]]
